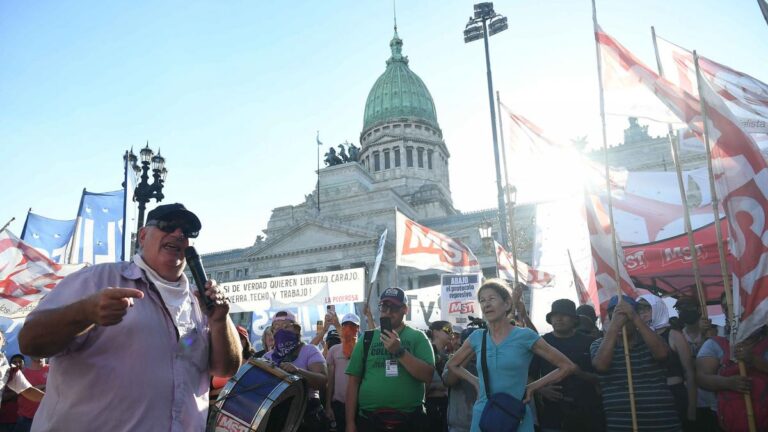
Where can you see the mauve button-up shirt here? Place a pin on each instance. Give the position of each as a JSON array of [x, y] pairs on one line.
[[137, 375]]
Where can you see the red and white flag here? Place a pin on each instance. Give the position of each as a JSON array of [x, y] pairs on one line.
[[525, 273], [742, 179], [581, 290], [600, 239], [424, 248], [26, 275], [746, 97]]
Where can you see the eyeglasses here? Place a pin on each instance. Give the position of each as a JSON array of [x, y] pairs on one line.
[[171, 226], [384, 307], [447, 329]]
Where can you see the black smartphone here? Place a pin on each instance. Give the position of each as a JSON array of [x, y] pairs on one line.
[[385, 323]]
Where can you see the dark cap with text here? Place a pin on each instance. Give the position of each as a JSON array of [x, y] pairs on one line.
[[393, 295], [170, 212]]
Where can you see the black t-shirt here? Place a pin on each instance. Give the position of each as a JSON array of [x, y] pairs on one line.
[[578, 395]]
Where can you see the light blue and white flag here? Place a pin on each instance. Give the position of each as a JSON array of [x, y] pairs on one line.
[[49, 236], [98, 234]]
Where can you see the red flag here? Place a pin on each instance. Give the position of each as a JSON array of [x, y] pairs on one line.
[[531, 276], [745, 96], [423, 248], [742, 179], [581, 290], [600, 239], [26, 275]]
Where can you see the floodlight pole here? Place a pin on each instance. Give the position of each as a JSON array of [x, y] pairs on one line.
[[499, 188]]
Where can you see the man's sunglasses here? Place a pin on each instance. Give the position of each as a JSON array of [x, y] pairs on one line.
[[383, 307], [171, 226]]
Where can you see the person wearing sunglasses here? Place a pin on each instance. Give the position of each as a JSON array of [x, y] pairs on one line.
[[387, 373], [136, 334]]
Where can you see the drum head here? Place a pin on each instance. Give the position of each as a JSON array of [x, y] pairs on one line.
[[261, 398]]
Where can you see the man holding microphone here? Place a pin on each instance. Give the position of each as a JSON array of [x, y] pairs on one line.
[[131, 345]]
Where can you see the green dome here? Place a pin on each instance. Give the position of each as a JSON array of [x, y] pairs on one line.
[[398, 93]]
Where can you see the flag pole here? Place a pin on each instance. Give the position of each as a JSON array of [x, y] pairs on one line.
[[718, 233], [397, 281], [675, 146], [318, 169], [7, 223], [617, 278], [125, 203], [510, 204], [26, 221]]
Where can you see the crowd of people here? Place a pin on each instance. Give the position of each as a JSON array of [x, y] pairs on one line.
[[132, 348]]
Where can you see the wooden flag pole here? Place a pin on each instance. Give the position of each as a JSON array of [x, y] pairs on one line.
[[8, 223], [617, 278], [720, 247], [510, 204], [674, 145]]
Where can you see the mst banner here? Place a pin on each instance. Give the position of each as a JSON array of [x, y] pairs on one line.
[[333, 287]]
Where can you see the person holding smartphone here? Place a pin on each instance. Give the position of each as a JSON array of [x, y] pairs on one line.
[[385, 391]]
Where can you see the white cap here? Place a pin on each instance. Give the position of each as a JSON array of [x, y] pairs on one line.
[[350, 317]]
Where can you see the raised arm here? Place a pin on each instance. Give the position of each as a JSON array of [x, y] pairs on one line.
[[225, 354], [415, 366], [49, 332]]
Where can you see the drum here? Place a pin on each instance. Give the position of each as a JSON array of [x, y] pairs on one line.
[[261, 398]]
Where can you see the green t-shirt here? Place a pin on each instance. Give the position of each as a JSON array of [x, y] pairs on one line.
[[377, 390]]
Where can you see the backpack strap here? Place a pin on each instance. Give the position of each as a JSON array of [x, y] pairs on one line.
[[484, 362], [367, 339]]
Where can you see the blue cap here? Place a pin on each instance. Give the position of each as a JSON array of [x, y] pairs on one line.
[[615, 300]]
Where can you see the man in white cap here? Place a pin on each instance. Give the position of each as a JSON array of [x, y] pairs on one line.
[[338, 359]]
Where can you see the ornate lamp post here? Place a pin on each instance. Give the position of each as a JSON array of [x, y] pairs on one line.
[[146, 191], [486, 234], [486, 22]]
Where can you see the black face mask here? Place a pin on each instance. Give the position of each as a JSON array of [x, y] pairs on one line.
[[689, 316]]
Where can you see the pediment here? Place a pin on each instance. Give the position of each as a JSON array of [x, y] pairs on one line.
[[312, 235]]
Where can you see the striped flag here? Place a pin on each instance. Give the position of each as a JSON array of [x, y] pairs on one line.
[[741, 173], [26, 275], [531, 276]]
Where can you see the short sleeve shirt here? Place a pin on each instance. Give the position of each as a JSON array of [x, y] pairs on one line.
[[508, 364], [309, 354], [339, 362], [397, 389]]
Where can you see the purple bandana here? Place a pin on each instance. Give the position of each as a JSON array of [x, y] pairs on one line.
[[285, 342]]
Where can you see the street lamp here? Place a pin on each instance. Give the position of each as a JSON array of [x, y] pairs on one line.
[[486, 22], [145, 191], [486, 234]]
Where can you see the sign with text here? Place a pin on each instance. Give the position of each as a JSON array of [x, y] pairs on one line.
[[458, 297], [332, 287], [423, 306]]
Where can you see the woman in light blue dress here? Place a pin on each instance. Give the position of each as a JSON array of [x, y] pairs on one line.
[[509, 350]]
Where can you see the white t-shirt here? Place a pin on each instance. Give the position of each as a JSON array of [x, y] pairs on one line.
[[19, 383]]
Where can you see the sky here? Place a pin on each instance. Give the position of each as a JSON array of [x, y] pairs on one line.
[[233, 93]]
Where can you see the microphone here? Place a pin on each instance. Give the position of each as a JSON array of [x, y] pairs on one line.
[[198, 274]]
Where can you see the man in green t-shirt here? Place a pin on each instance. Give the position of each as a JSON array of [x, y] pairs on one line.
[[388, 393]]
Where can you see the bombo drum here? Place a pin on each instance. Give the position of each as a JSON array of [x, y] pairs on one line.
[[260, 397]]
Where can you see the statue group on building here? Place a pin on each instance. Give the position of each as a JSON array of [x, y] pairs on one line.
[[344, 155]]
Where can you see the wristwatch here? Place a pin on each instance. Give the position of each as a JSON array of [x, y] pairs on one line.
[[399, 353]]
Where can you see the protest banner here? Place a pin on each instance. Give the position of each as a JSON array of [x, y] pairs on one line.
[[324, 288], [458, 297]]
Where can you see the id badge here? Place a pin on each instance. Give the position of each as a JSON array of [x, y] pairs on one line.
[[390, 367]]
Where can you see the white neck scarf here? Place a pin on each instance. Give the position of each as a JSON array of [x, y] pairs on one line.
[[175, 296]]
